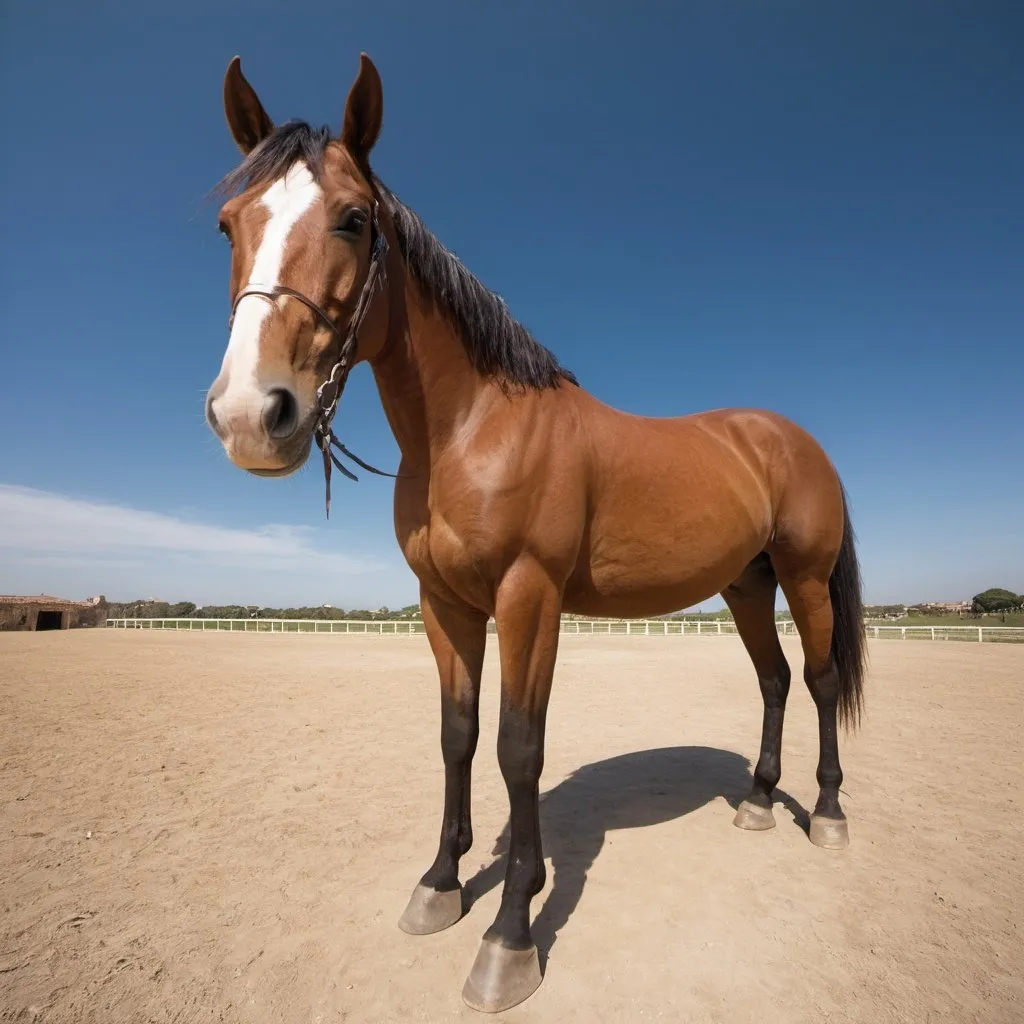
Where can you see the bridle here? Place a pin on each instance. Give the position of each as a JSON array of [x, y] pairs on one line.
[[329, 392]]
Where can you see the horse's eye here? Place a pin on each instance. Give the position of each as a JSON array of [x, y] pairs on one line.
[[351, 223]]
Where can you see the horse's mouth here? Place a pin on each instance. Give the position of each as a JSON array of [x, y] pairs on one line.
[[287, 470]]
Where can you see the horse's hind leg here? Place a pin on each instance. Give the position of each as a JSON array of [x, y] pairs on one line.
[[751, 599], [811, 606]]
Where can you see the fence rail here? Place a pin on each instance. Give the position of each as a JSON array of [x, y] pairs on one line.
[[570, 627]]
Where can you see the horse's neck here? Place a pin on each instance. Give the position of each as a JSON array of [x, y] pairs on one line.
[[427, 384]]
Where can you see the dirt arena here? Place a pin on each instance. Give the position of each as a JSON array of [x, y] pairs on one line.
[[226, 828]]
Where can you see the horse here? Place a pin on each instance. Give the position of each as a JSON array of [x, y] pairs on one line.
[[519, 495]]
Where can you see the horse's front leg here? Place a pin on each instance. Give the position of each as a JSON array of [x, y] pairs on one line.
[[457, 636], [527, 613]]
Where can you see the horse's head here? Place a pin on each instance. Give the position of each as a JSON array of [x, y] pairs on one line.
[[302, 224]]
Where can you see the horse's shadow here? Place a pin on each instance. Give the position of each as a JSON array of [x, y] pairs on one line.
[[634, 790]]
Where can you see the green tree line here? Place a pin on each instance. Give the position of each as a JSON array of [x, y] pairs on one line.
[[189, 610]]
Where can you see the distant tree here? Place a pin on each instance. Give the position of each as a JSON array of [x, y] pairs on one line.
[[139, 610], [182, 610], [996, 599], [723, 615], [885, 611], [224, 611]]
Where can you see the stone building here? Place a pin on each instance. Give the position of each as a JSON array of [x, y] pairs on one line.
[[44, 612]]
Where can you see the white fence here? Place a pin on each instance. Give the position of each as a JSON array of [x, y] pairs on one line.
[[571, 627], [405, 628], [973, 634]]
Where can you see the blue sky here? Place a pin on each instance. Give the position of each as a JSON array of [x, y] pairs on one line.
[[813, 208]]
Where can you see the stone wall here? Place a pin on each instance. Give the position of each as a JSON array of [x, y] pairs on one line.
[[24, 613]]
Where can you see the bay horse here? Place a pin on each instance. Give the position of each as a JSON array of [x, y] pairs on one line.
[[519, 495]]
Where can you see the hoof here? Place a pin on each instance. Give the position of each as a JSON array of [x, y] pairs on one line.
[[754, 818], [501, 977], [829, 833], [431, 911]]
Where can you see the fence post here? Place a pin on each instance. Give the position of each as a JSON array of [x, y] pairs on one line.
[[933, 632], [903, 631], [981, 637], [719, 627]]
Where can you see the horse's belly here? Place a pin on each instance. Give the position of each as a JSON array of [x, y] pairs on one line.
[[651, 561], [630, 595]]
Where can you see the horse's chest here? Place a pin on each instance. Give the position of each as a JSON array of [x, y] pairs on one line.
[[449, 564], [416, 548]]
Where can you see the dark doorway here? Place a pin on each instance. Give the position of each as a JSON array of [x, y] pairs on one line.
[[48, 620]]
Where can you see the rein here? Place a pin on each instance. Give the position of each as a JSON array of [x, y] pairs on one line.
[[329, 392]]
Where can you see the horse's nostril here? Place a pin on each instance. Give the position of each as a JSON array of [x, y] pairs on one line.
[[211, 416], [280, 414]]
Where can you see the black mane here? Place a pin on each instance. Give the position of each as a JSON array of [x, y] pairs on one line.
[[498, 345]]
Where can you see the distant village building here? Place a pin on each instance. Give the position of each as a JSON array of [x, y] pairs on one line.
[[45, 612], [940, 608]]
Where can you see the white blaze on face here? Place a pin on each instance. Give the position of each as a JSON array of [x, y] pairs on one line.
[[285, 201]]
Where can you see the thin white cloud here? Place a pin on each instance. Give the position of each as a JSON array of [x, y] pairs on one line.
[[50, 537], [33, 520]]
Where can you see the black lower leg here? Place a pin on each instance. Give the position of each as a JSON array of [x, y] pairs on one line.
[[824, 689], [774, 690], [751, 598], [459, 731], [521, 758]]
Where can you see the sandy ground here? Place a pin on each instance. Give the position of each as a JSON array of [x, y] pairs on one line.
[[227, 828]]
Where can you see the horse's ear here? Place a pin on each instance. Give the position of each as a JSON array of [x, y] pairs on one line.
[[249, 122], [364, 111]]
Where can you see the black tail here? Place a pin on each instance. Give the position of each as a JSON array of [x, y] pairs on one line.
[[849, 652]]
